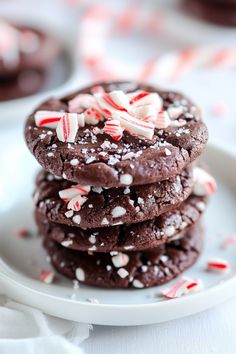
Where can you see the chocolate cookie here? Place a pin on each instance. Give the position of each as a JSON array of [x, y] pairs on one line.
[[107, 207], [130, 269], [221, 12], [125, 150], [140, 236], [24, 84], [25, 48]]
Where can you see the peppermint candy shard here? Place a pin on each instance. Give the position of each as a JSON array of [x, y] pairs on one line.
[[204, 183], [143, 98], [218, 265], [183, 287], [162, 120], [81, 102], [118, 100], [175, 112], [127, 120], [67, 128], [47, 277], [97, 89], [48, 119], [75, 196], [69, 193], [120, 260], [93, 116], [146, 113], [113, 128], [76, 202]]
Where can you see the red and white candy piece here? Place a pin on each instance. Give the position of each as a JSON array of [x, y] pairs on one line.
[[81, 102], [75, 196], [111, 109], [97, 89], [77, 202], [120, 260], [92, 116], [175, 112], [69, 193], [143, 98], [50, 119], [146, 113], [67, 128], [183, 287], [113, 128], [118, 100], [204, 183], [162, 120], [47, 277], [23, 233], [218, 265]]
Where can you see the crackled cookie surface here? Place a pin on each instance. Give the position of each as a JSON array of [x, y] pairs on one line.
[[128, 269], [116, 134], [140, 236], [101, 207]]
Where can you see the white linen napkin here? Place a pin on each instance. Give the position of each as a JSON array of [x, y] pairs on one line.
[[26, 330]]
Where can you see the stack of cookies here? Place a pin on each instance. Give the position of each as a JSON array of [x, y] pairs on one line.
[[120, 196]]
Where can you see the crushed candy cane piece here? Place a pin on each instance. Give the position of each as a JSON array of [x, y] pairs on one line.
[[23, 233], [80, 102], [69, 193], [92, 116], [75, 196], [162, 120], [97, 89], [47, 277], [113, 128], [133, 125], [204, 183], [67, 128], [117, 100], [183, 287], [120, 260], [48, 119], [146, 113], [143, 98], [76, 202], [218, 265], [175, 112]]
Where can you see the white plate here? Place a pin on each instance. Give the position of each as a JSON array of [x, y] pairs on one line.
[[23, 259]]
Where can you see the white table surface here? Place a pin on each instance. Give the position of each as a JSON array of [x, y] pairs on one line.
[[211, 332], [214, 330]]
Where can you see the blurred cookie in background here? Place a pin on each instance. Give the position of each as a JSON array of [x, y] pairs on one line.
[[27, 56], [221, 12]]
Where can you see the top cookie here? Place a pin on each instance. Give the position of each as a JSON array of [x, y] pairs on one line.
[[116, 134]]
